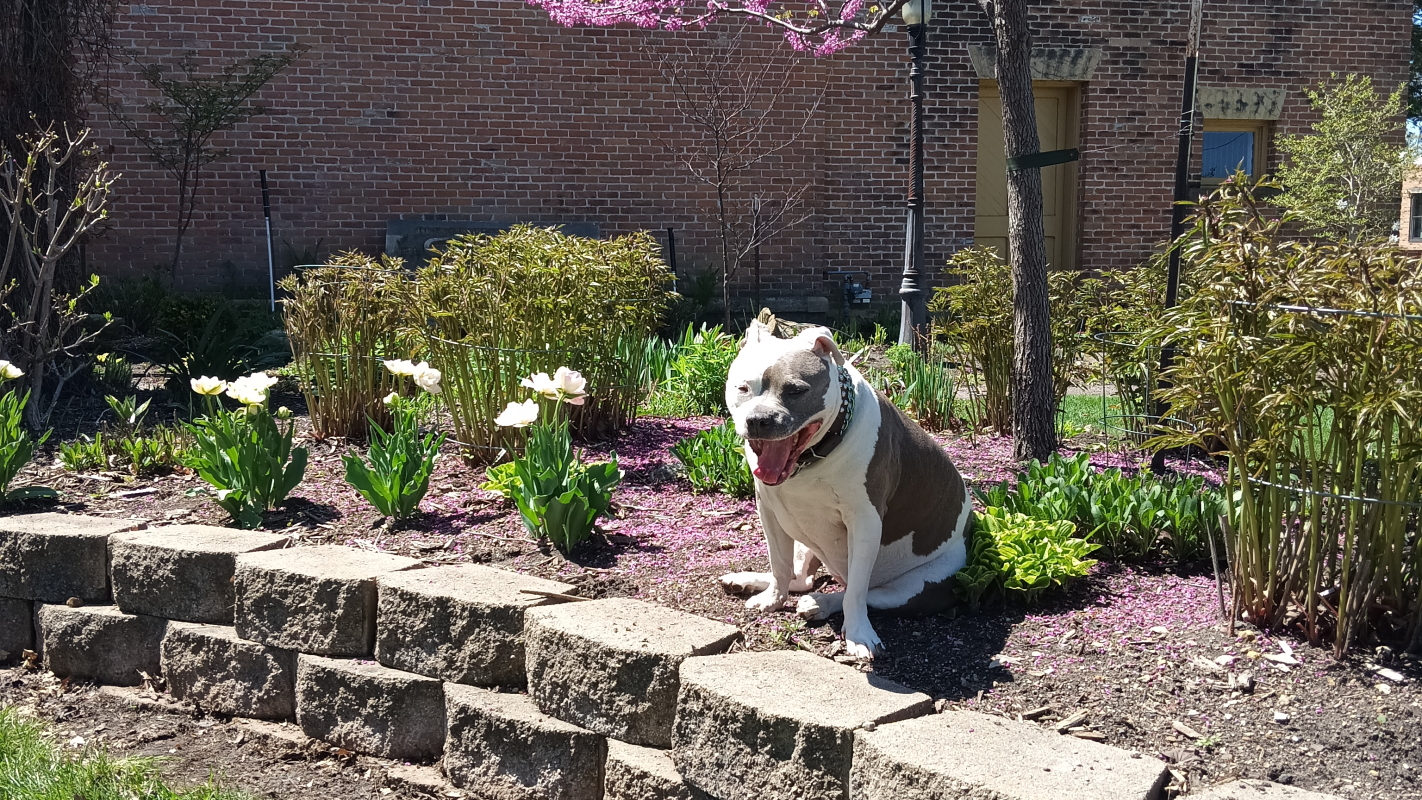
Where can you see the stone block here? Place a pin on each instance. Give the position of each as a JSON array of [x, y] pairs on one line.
[[182, 572], [362, 706], [1260, 790], [964, 754], [212, 668], [99, 643], [643, 773], [460, 623], [611, 665], [778, 724], [53, 557], [502, 747], [17, 628], [317, 600]]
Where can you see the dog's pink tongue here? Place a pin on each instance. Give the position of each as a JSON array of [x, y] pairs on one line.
[[773, 459]]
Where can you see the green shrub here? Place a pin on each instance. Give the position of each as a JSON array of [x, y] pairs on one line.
[[1022, 556], [396, 474], [715, 461], [244, 454], [113, 372], [499, 308], [343, 320], [158, 451]]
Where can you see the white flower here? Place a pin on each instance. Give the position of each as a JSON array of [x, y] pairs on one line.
[[9, 371], [391, 399], [571, 385], [428, 377], [208, 386], [400, 367], [518, 415], [566, 385], [261, 380], [246, 393]]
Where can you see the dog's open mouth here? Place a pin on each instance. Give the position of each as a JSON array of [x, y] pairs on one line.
[[775, 458]]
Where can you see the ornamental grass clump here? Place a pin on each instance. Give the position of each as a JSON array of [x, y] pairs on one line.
[[395, 475], [243, 453], [1301, 362], [558, 496], [343, 320], [494, 309]]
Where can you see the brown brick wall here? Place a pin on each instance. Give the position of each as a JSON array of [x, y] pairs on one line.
[[473, 109]]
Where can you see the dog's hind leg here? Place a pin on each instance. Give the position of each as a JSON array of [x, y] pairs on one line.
[[806, 563], [925, 589]]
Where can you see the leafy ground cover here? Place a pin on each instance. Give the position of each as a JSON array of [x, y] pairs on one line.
[[1136, 647]]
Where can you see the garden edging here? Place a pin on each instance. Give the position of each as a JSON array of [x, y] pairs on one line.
[[777, 724]]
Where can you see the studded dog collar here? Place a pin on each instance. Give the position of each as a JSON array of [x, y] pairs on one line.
[[813, 455]]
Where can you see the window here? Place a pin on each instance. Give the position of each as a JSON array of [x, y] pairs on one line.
[[1414, 219], [1232, 144]]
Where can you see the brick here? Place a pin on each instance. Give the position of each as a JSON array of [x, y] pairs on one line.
[[611, 665], [778, 724], [182, 572], [318, 600], [964, 754], [362, 706], [209, 666], [17, 628], [1260, 790], [501, 746], [633, 772], [53, 557], [460, 623], [99, 643]]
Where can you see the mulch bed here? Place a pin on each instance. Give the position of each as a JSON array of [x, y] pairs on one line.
[[1134, 655]]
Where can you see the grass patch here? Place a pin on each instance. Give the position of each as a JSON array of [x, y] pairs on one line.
[[34, 766]]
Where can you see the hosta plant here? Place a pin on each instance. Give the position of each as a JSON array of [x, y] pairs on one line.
[[245, 454], [1029, 555], [558, 496], [715, 461], [395, 475]]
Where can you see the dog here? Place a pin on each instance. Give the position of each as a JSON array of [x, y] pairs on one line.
[[844, 479]]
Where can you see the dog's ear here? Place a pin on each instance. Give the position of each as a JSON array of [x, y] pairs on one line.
[[821, 340], [757, 332]]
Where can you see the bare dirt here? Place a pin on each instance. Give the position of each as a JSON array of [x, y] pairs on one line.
[[1137, 656]]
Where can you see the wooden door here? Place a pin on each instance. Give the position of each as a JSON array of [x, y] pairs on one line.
[[1057, 113]]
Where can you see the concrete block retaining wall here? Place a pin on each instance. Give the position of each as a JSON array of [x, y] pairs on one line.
[[624, 700]]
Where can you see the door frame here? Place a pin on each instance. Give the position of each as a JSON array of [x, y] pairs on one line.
[[1071, 178]]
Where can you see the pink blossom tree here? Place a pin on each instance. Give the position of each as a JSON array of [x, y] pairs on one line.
[[828, 26]]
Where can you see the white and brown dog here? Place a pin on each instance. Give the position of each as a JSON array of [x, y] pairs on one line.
[[843, 479]]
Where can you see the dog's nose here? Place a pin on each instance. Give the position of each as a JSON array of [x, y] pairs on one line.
[[762, 425]]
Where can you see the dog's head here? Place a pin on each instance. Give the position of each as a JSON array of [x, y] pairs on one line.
[[781, 393]]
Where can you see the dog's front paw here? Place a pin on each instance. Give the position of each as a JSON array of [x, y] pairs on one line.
[[771, 599], [860, 641], [743, 583]]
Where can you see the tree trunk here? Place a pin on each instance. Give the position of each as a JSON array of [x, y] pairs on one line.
[[1033, 398]]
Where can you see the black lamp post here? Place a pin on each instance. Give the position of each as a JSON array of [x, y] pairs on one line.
[[914, 322]]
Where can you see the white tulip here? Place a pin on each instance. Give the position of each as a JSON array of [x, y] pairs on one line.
[[518, 415], [9, 371], [540, 383], [209, 386], [428, 377], [400, 367], [571, 385], [391, 399], [261, 380]]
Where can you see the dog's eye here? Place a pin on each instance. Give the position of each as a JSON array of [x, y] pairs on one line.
[[743, 389], [796, 388]]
